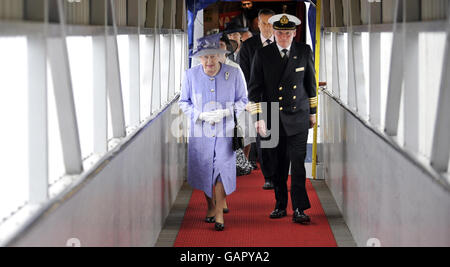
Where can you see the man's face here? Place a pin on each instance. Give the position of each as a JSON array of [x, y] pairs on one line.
[[247, 4], [284, 38], [265, 27]]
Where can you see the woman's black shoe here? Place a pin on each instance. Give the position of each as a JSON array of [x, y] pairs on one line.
[[210, 219], [226, 210], [219, 226]]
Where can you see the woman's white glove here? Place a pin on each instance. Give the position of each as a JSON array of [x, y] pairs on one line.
[[216, 116], [206, 116]]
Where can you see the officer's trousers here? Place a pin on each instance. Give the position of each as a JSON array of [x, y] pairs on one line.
[[290, 150]]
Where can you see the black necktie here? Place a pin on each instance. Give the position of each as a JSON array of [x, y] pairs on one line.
[[285, 58], [268, 41]]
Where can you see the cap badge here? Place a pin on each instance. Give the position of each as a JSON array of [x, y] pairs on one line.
[[284, 20]]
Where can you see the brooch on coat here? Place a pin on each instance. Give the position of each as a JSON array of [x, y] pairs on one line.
[[227, 75]]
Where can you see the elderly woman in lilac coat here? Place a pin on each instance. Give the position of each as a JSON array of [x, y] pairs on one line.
[[212, 93]]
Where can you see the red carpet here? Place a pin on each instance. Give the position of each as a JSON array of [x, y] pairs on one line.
[[248, 224]]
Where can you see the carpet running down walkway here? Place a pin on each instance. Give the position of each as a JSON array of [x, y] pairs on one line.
[[248, 223]]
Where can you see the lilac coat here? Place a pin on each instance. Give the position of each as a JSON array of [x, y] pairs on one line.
[[210, 151]]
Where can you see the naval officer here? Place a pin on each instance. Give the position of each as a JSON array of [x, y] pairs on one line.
[[283, 72]]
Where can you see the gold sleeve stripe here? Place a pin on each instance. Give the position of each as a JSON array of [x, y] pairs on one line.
[[254, 108], [258, 111], [254, 105], [313, 102]]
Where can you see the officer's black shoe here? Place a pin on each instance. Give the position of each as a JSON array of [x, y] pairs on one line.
[[268, 185], [300, 217], [276, 214]]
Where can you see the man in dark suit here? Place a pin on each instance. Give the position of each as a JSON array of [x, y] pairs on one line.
[[258, 41], [283, 72], [246, 54]]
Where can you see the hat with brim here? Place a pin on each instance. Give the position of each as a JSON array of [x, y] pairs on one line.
[[208, 45], [232, 27], [284, 22]]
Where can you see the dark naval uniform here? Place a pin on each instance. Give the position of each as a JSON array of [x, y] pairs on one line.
[[291, 82]]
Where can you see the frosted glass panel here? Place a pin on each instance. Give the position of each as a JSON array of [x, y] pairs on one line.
[[386, 49], [81, 68], [431, 56], [14, 120]]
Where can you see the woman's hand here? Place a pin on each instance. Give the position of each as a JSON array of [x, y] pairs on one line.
[[216, 116]]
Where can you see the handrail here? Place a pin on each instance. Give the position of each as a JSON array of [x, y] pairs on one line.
[[77, 182], [416, 159]]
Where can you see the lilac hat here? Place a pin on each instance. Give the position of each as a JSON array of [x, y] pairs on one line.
[[208, 45]]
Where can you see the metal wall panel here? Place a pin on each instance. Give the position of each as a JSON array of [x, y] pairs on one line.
[[11, 9], [381, 193], [126, 202], [77, 12]]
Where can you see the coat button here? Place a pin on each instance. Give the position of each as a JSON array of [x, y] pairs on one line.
[[212, 90], [211, 79], [295, 97], [281, 108], [280, 98], [295, 87], [281, 88], [294, 108]]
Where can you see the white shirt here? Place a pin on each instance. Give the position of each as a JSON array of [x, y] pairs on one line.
[[281, 48], [263, 40]]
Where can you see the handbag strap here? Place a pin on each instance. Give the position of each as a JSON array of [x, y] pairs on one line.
[[234, 117], [234, 114]]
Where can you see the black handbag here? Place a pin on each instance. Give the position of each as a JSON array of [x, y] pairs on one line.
[[238, 139]]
